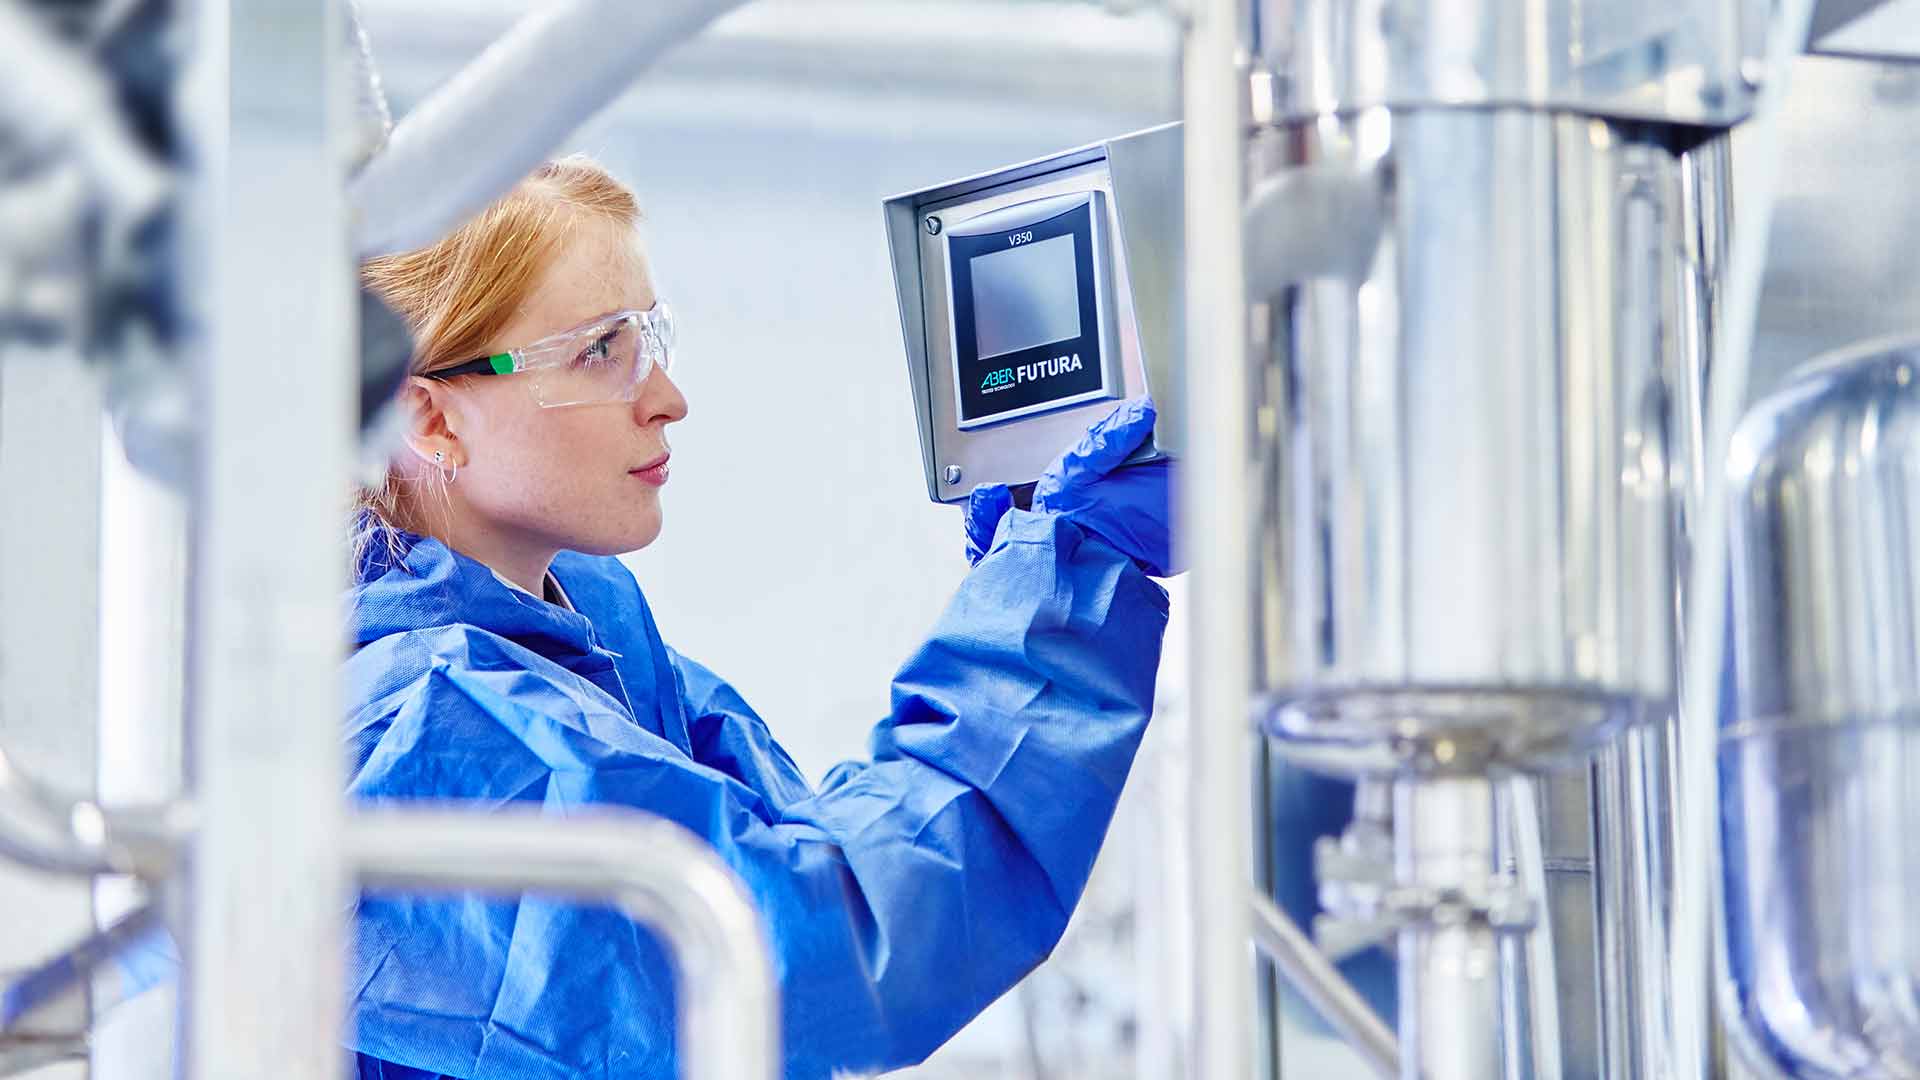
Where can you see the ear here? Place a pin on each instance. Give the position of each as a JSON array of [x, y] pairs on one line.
[[430, 409]]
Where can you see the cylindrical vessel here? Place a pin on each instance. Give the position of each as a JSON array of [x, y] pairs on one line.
[[1822, 877], [1467, 540], [1467, 276]]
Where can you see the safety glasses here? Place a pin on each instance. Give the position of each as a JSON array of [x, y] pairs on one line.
[[599, 362]]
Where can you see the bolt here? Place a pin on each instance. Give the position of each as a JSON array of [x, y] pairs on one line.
[[953, 474], [933, 226]]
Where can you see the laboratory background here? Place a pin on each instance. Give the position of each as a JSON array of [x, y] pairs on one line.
[[1540, 696]]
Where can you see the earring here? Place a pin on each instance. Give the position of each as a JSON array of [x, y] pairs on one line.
[[440, 459]]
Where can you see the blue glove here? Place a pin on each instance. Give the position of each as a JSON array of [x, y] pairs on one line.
[[1129, 508]]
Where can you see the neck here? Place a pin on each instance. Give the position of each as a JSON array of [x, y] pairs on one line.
[[513, 556]]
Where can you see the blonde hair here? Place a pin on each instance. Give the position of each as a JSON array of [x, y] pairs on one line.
[[460, 293]]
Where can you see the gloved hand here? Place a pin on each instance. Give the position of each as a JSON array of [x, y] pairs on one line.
[[1128, 507]]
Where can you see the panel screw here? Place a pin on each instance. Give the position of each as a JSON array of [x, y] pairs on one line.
[[933, 226], [953, 474]]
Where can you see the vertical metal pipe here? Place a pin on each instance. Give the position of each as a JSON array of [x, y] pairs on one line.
[[274, 386], [1218, 513], [1449, 965], [1527, 822], [1705, 641]]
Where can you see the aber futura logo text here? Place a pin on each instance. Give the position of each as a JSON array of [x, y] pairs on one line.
[[1002, 378]]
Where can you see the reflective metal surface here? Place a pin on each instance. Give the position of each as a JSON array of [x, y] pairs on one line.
[[1215, 508], [1450, 1001], [1818, 760], [1313, 974], [496, 120], [1676, 60], [1466, 434], [266, 884], [1633, 889], [1839, 264]]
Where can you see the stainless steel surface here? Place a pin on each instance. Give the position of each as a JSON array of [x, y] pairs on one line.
[[1645, 59], [1466, 540], [1542, 979], [1148, 180], [62, 834], [656, 872], [1832, 16], [1450, 1007], [275, 383], [1691, 943], [502, 115], [1216, 511], [1314, 976], [1632, 893], [1879, 30], [1837, 265], [1819, 756]]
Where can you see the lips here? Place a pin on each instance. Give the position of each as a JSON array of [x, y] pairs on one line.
[[654, 472]]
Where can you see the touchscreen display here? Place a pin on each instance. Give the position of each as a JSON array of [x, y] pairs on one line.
[[1025, 296], [1026, 311]]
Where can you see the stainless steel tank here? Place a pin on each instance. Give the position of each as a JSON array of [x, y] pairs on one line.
[[1468, 536], [1469, 276], [1820, 755]]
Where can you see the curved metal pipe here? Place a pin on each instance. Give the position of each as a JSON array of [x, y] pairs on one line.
[[658, 873], [502, 114], [45, 830]]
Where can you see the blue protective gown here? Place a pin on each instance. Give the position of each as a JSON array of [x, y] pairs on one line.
[[902, 896]]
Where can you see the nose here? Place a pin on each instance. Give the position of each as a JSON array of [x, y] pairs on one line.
[[660, 400]]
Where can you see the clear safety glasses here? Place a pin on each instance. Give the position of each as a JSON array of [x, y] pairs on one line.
[[599, 362]]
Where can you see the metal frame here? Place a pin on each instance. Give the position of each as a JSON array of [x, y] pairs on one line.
[[1218, 513], [262, 995]]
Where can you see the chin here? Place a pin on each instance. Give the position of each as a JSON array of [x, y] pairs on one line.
[[622, 537]]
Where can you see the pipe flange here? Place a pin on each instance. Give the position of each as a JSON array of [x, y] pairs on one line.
[[1499, 904]]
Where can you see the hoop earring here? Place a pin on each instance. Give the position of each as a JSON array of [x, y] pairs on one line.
[[440, 458]]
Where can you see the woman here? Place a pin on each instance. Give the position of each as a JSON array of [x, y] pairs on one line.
[[501, 655]]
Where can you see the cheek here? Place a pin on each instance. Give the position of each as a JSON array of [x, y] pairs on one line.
[[562, 473]]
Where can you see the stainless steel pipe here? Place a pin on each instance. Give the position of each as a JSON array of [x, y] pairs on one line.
[[502, 114], [656, 872], [1450, 1007], [45, 830], [1312, 973], [1216, 513]]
